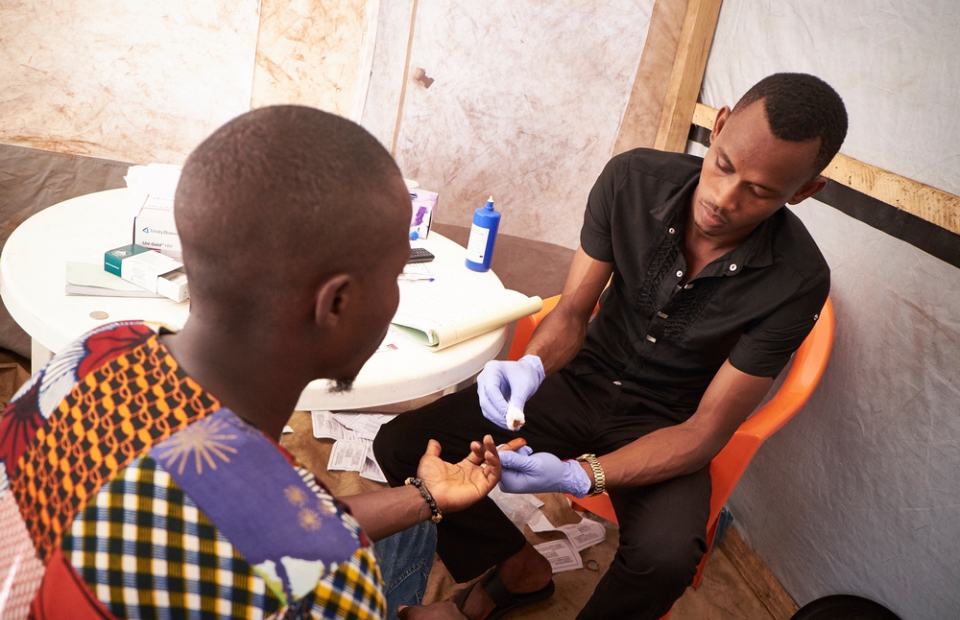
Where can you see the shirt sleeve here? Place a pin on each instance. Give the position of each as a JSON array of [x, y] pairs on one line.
[[595, 238], [765, 348]]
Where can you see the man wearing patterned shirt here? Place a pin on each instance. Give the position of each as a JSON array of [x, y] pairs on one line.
[[140, 474]]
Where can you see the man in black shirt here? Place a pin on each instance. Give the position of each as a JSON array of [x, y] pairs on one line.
[[714, 286]]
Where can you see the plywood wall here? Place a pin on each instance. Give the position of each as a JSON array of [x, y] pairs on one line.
[[523, 101], [145, 82]]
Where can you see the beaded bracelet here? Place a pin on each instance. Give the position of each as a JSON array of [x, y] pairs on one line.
[[417, 482]]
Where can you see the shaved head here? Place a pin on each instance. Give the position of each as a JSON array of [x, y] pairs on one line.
[[280, 199]]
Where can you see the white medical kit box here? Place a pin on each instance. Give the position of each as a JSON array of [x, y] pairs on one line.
[[154, 226]]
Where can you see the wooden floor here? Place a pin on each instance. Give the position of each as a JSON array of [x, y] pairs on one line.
[[736, 584]]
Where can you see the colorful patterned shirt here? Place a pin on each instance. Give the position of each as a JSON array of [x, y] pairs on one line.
[[128, 491]]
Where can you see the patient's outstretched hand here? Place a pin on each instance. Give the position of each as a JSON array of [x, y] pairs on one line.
[[456, 486]]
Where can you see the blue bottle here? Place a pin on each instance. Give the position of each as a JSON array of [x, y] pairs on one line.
[[483, 234]]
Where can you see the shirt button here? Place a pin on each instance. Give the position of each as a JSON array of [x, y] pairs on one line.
[[679, 274], [733, 267], [671, 230], [651, 338], [617, 383], [816, 316]]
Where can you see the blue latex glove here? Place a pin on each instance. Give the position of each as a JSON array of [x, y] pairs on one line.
[[503, 381], [525, 472]]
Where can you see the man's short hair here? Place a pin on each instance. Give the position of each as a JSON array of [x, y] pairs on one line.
[[801, 107], [278, 199]]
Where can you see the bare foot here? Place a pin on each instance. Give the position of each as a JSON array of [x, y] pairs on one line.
[[525, 572]]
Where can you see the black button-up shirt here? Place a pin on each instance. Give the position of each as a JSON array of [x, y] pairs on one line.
[[666, 341]]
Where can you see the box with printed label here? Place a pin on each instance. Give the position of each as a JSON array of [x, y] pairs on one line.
[[424, 203], [151, 270], [154, 226]]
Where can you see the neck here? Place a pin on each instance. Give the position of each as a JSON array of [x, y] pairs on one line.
[[245, 369]]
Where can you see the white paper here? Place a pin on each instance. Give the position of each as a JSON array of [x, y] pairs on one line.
[[561, 555], [347, 456], [539, 522], [365, 425], [371, 470], [417, 269], [325, 426], [584, 534]]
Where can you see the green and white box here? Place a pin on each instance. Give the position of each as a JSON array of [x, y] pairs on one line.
[[151, 270]]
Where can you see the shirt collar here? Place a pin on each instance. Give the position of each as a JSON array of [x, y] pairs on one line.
[[755, 251]]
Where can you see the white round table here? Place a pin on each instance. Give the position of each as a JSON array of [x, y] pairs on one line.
[[32, 280]]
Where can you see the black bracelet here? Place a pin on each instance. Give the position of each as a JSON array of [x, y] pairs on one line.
[[436, 515]]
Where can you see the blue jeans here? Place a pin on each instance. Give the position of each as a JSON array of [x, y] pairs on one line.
[[405, 561]]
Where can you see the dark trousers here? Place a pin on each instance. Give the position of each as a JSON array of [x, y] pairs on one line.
[[662, 526]]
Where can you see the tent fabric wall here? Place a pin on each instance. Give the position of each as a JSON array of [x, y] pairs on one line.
[[860, 493]]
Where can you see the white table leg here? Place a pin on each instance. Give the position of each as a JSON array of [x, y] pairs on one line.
[[39, 356]]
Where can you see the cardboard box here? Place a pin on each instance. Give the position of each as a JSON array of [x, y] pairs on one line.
[[151, 270], [424, 203], [154, 226]]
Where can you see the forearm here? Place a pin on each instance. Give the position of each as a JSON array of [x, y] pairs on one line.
[[663, 454], [557, 340], [386, 512], [687, 447]]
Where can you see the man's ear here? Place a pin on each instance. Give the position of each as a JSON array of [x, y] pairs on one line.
[[810, 188], [332, 299], [722, 115]]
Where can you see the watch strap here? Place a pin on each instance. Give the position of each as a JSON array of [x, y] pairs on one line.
[[599, 478]]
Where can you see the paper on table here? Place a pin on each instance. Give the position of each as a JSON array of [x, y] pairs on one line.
[[560, 554], [91, 279], [347, 455], [447, 311], [584, 534]]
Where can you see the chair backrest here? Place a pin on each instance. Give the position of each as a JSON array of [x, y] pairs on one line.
[[809, 362]]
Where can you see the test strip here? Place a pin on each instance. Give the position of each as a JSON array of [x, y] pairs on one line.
[[513, 445]]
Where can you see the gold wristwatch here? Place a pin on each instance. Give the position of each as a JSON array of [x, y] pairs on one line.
[[599, 479]]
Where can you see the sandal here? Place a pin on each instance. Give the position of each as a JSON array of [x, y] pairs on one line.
[[504, 600]]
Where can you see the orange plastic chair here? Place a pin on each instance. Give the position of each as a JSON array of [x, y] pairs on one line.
[[727, 466]]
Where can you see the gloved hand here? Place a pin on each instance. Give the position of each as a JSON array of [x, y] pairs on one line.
[[525, 472], [503, 381]]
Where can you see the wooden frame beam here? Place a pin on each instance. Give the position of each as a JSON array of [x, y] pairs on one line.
[[696, 37], [928, 203], [641, 118]]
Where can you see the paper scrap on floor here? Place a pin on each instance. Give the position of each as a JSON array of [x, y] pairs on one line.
[[351, 431], [561, 555], [584, 534], [347, 456], [365, 425], [371, 469], [325, 426]]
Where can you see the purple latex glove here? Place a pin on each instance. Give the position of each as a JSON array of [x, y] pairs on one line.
[[525, 472], [503, 381]]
